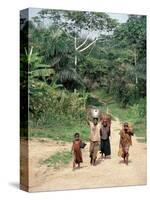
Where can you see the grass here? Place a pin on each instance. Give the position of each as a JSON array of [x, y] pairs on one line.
[[58, 159], [62, 131], [124, 114]]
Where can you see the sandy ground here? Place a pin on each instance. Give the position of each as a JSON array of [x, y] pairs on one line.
[[107, 173]]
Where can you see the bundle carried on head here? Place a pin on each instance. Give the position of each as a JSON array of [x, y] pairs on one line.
[[95, 113], [130, 126], [92, 113], [106, 117]]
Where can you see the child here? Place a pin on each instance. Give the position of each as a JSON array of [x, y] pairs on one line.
[[76, 150], [125, 141], [105, 142]]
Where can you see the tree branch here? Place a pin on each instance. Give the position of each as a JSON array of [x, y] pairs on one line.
[[88, 45], [75, 46], [82, 43]]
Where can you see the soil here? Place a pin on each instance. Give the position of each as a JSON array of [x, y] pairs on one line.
[[107, 172]]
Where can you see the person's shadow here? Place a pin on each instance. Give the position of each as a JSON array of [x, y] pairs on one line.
[[122, 162], [98, 161]]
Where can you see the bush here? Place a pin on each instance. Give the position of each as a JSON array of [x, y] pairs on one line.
[[139, 109], [50, 103]]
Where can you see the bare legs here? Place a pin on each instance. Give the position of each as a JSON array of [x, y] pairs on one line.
[[126, 158], [92, 161], [74, 165]]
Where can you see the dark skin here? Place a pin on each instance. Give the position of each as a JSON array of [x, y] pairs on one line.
[[104, 125], [95, 121], [127, 131], [126, 155], [126, 128], [77, 137]]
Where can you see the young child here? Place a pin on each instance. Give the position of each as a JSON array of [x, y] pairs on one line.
[[76, 150], [125, 141], [105, 142]]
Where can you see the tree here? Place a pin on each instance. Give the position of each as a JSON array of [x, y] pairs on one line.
[[91, 50], [79, 26], [133, 35]]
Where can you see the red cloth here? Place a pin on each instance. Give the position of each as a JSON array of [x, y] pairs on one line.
[[77, 151]]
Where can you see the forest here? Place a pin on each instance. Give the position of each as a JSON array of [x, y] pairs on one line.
[[80, 59]]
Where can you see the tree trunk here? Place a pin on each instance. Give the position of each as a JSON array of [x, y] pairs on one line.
[[136, 77], [75, 47], [135, 64]]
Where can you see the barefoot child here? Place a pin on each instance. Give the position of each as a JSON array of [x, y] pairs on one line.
[[125, 141], [105, 142], [76, 150]]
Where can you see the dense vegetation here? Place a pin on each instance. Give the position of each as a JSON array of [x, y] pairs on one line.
[[78, 59]]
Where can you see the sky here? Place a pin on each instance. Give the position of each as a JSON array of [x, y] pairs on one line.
[[122, 18]]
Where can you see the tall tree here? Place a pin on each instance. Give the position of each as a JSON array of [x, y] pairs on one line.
[[133, 35], [80, 26]]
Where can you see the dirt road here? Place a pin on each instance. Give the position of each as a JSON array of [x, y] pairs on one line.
[[107, 173]]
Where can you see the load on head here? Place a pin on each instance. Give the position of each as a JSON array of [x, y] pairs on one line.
[[95, 115]]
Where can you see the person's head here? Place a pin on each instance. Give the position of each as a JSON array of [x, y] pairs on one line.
[[104, 122], [95, 121], [76, 136], [126, 126]]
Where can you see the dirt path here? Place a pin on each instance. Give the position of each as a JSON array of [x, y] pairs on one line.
[[107, 173]]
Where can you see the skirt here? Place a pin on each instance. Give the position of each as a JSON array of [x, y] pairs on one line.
[[105, 147]]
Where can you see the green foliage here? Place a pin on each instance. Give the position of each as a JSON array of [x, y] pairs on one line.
[[48, 103], [133, 35], [62, 129], [139, 109], [60, 90], [117, 62], [77, 20], [135, 114], [58, 159]]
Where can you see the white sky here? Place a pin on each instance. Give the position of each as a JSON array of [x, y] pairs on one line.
[[122, 18]]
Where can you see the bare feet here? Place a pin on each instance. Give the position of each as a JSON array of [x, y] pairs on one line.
[[94, 162], [108, 157]]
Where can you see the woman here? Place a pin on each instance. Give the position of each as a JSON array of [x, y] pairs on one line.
[[105, 142]]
